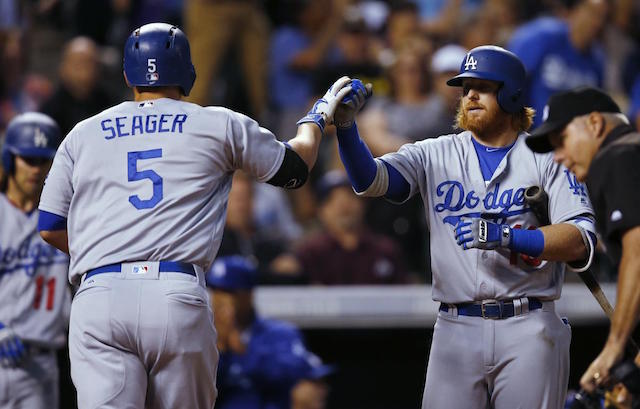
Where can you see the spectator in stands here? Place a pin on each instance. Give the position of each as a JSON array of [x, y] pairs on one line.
[[345, 252], [297, 50], [412, 112], [356, 56], [80, 93], [260, 359], [265, 245], [561, 54], [445, 63], [213, 27]]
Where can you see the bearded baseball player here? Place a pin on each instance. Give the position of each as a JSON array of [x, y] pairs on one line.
[[34, 295], [498, 341], [137, 195]]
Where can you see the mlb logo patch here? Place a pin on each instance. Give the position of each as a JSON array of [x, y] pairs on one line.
[[152, 76], [141, 269]]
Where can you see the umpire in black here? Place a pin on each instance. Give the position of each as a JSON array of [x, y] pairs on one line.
[[589, 135]]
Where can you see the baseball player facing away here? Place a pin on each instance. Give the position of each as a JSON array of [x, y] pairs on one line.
[[34, 295], [142, 188], [498, 341]]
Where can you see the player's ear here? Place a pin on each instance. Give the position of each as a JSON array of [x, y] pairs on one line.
[[596, 123]]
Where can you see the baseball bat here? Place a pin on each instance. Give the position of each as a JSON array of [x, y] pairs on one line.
[[538, 200]]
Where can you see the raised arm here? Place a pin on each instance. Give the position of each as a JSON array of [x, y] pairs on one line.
[[369, 177]]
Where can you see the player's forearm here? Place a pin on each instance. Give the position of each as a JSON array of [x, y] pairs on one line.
[[307, 142], [625, 315], [57, 238], [563, 242]]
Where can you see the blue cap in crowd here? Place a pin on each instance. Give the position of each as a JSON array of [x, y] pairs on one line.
[[232, 273]]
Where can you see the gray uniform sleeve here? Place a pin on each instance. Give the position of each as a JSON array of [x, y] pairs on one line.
[[410, 161], [567, 197], [58, 188], [569, 203], [254, 149]]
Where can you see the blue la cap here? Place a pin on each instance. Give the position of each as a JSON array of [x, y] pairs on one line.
[[232, 273]]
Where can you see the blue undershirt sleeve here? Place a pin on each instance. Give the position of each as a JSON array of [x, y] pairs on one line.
[[399, 189], [362, 169], [357, 158], [51, 221]]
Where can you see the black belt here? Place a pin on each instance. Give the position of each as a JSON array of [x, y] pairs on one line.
[[490, 309], [163, 267]]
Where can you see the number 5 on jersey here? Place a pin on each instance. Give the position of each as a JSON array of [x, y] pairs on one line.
[[134, 175]]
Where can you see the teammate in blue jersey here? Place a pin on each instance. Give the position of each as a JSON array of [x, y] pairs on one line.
[[561, 54], [498, 341], [137, 195], [260, 359], [34, 295]]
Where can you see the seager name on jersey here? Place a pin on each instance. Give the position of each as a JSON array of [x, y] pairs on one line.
[[122, 126]]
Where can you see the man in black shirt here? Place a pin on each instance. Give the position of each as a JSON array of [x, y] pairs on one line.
[[595, 141]]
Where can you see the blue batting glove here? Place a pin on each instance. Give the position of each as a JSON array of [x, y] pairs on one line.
[[323, 110], [481, 234], [352, 104], [12, 350]]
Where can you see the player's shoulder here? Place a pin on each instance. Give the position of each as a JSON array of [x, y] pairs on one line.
[[96, 119], [539, 29], [622, 153]]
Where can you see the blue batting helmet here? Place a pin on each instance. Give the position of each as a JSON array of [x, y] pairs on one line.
[[232, 273], [489, 62], [158, 55], [31, 134]]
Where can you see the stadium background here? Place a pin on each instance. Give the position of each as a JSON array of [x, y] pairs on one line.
[[64, 58]]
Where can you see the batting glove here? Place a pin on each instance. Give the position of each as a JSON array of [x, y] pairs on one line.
[[323, 110], [351, 104], [12, 350], [482, 234]]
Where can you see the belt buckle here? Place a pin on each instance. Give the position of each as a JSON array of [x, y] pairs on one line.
[[491, 303]]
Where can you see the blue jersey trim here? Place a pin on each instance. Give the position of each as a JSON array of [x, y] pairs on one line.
[[51, 221]]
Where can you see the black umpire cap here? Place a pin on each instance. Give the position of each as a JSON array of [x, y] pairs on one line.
[[562, 108]]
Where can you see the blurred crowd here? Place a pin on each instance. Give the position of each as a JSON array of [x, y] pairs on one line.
[[271, 59]]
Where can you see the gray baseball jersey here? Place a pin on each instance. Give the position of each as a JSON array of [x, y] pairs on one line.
[[446, 172], [520, 361], [149, 181], [34, 302], [142, 183], [34, 295]]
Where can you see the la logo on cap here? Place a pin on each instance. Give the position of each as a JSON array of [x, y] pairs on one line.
[[545, 113], [470, 62]]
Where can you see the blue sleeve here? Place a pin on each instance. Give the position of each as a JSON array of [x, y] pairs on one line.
[[357, 158], [51, 221], [362, 169], [399, 188]]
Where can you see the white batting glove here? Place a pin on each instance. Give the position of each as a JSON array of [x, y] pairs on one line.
[[481, 234], [351, 104], [323, 110], [12, 350]]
